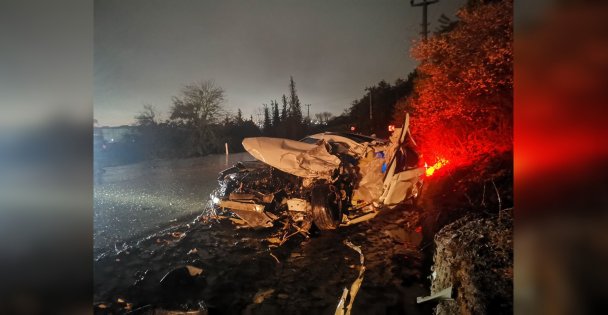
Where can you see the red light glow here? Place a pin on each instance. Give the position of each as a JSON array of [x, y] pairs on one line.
[[430, 170]]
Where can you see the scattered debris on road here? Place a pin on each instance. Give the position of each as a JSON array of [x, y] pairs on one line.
[[443, 295], [262, 295], [343, 308]]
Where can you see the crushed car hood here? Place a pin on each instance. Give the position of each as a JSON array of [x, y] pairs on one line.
[[293, 157]]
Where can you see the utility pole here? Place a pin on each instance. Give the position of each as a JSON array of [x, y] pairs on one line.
[[424, 4], [308, 110]]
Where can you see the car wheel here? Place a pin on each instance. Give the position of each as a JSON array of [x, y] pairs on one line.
[[326, 207]]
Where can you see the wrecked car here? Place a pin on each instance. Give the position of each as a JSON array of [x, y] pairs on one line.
[[327, 179]]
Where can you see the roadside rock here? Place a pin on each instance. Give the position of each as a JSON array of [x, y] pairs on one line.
[[475, 256]]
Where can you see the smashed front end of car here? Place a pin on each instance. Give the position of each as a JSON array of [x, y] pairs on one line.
[[328, 183], [258, 194]]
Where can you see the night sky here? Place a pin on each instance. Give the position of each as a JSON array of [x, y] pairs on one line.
[[145, 51]]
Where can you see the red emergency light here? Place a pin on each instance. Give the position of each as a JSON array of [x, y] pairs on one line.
[[352, 128]]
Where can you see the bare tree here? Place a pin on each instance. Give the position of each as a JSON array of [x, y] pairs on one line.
[[198, 107], [147, 117], [199, 104]]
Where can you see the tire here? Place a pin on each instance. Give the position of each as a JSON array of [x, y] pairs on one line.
[[326, 207]]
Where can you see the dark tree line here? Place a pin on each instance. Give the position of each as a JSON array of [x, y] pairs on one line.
[[384, 97], [199, 125], [287, 122]]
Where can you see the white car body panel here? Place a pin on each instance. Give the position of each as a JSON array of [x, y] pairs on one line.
[[293, 157]]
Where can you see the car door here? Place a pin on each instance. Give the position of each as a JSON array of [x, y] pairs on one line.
[[402, 178]]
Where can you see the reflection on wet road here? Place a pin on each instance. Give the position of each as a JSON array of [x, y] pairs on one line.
[[134, 199]]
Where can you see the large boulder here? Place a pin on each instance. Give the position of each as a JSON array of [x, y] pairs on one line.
[[474, 255]]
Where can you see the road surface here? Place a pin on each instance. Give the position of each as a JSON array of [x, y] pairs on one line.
[[131, 200]]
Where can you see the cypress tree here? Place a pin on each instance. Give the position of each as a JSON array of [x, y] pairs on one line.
[[239, 117], [276, 119], [284, 111], [295, 110], [267, 122]]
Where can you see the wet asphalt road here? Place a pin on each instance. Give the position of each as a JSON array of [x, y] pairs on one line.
[[131, 200], [236, 264]]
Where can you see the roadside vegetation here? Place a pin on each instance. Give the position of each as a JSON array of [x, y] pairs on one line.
[[462, 109], [462, 119]]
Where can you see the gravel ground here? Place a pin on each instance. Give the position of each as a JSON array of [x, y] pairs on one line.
[[240, 276]]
